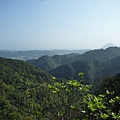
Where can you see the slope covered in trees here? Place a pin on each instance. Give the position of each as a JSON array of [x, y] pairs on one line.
[[20, 89], [71, 70], [94, 69], [101, 54], [96, 64], [27, 93], [48, 63]]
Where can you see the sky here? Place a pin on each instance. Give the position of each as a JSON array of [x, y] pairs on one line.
[[58, 24]]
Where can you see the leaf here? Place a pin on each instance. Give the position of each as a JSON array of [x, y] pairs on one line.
[[81, 75], [104, 116], [72, 106]]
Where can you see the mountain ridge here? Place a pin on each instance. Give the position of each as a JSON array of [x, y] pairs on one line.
[[95, 64], [35, 54]]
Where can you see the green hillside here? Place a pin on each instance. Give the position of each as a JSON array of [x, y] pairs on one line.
[[47, 62], [94, 69], [101, 54], [28, 93], [91, 68], [20, 89], [96, 64], [50, 62]]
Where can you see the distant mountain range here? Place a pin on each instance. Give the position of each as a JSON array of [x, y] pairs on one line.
[[96, 64], [34, 54]]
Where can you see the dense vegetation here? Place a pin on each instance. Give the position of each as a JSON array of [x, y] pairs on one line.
[[96, 64], [47, 63], [27, 93], [57, 60], [19, 89]]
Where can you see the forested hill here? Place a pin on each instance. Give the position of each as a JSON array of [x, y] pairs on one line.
[[47, 62], [96, 64], [94, 69], [101, 54], [20, 85], [27, 93], [20, 70]]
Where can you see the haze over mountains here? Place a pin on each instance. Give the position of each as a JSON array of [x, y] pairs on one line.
[[34, 54]]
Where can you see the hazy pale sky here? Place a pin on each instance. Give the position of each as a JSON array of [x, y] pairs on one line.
[[58, 24]]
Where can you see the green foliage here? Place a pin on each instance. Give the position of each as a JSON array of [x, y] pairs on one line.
[[96, 64], [101, 107], [63, 100], [27, 93], [19, 87], [81, 75]]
